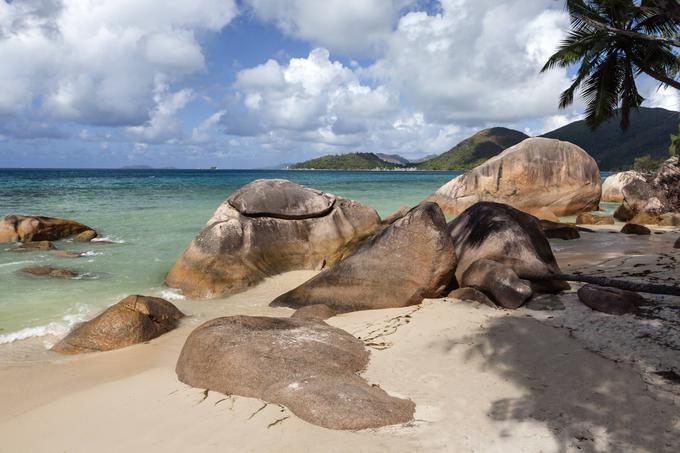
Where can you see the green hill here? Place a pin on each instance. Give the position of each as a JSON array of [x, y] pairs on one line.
[[474, 150], [649, 134], [351, 161]]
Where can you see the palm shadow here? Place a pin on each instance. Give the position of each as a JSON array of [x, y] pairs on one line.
[[588, 403]]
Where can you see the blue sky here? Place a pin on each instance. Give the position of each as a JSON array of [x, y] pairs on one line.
[[256, 83]]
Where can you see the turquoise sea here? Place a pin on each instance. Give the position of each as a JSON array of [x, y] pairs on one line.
[[150, 216]]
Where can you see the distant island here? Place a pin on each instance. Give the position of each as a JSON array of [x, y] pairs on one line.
[[648, 135]]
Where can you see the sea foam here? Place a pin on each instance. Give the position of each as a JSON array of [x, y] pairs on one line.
[[56, 328]]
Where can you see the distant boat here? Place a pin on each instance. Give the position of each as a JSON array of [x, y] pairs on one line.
[[213, 168]]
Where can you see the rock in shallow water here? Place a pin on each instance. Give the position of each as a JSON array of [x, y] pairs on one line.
[[19, 228], [85, 236], [410, 260], [134, 319], [612, 301], [305, 365], [49, 272], [34, 246], [283, 227]]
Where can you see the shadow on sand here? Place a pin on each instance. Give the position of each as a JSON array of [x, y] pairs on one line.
[[589, 403]]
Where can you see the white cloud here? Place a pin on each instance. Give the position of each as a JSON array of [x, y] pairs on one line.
[[97, 62], [163, 126], [356, 27], [664, 97], [439, 78]]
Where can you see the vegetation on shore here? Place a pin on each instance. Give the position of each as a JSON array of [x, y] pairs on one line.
[[475, 150], [351, 161]]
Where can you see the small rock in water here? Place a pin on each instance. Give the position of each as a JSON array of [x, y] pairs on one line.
[[633, 228], [67, 254], [545, 302], [677, 244], [612, 301], [134, 319], [48, 271], [473, 295], [85, 236], [33, 246]]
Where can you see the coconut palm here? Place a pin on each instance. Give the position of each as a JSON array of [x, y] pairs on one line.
[[612, 42]]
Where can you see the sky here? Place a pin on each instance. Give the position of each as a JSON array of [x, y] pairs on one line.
[[259, 83]]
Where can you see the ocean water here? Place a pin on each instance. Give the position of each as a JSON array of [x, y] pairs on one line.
[[150, 216]]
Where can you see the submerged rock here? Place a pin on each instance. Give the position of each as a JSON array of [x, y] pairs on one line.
[[34, 246], [19, 228], [544, 177], [67, 254], [632, 228], [408, 261], [501, 233], [49, 272], [265, 228], [305, 365], [612, 301], [135, 319]]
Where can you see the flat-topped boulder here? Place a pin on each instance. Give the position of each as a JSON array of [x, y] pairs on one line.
[[20, 228], [135, 319], [612, 187], [280, 199], [501, 233], [305, 365], [408, 261], [266, 228], [544, 177]]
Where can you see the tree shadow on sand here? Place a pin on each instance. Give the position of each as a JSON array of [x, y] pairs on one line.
[[589, 403]]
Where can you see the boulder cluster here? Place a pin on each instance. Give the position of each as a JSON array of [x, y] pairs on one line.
[[495, 252], [647, 199]]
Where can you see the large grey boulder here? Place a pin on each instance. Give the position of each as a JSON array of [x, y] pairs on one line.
[[21, 228], [612, 187], [408, 261], [135, 319], [266, 228], [544, 177], [305, 365], [501, 233]]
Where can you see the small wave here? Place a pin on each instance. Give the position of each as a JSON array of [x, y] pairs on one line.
[[56, 328], [109, 239], [14, 263], [171, 294], [91, 253]]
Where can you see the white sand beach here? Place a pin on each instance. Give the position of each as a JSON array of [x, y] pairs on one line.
[[482, 380]]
